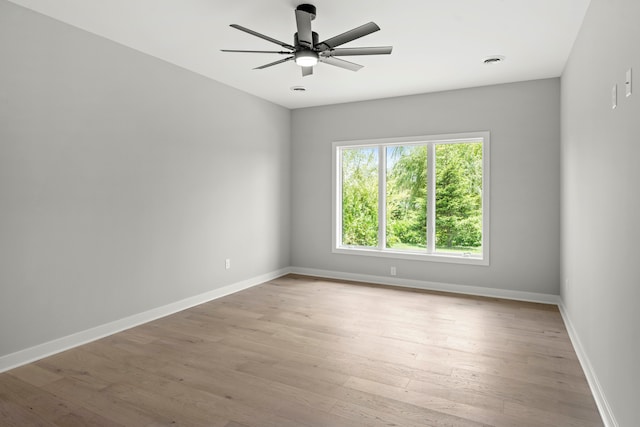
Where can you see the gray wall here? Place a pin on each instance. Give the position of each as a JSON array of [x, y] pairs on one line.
[[601, 200], [524, 120], [125, 182]]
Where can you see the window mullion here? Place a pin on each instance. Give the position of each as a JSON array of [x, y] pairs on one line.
[[338, 197], [382, 197], [431, 198]]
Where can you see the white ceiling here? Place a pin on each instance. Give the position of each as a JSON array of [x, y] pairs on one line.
[[437, 44]]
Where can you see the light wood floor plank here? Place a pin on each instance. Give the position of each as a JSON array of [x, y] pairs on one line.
[[300, 351]]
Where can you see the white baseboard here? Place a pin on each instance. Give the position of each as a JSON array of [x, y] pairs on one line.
[[22, 357], [431, 286], [40, 351], [596, 390], [603, 406]]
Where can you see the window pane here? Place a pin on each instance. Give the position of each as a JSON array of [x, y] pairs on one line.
[[406, 197], [360, 196], [459, 198]]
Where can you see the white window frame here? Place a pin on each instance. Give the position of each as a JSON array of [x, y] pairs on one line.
[[429, 254]]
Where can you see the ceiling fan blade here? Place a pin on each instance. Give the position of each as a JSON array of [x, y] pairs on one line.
[[303, 22], [262, 36], [282, 52], [307, 71], [352, 51], [350, 35], [274, 63], [340, 63]]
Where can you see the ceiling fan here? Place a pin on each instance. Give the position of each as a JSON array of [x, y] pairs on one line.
[[307, 51]]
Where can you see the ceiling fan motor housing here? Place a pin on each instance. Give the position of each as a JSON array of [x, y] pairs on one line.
[[309, 8], [314, 37]]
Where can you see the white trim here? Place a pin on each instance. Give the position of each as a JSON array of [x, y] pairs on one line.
[[596, 390], [419, 256], [431, 286], [28, 355], [431, 199], [336, 200], [382, 197], [450, 137]]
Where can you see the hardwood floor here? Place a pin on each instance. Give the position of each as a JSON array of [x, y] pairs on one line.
[[301, 351]]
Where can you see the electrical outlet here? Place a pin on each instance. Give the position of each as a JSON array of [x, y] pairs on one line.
[[393, 271], [227, 264]]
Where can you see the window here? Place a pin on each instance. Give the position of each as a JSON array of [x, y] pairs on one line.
[[418, 198]]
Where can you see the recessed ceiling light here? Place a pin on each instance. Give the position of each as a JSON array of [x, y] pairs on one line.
[[298, 88], [494, 59]]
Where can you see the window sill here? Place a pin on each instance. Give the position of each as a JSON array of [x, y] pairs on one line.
[[389, 253]]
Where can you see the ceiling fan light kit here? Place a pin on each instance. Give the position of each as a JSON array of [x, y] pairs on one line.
[[306, 58], [307, 51]]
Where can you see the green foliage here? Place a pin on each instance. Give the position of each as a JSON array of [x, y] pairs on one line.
[[458, 197], [407, 196], [360, 197]]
